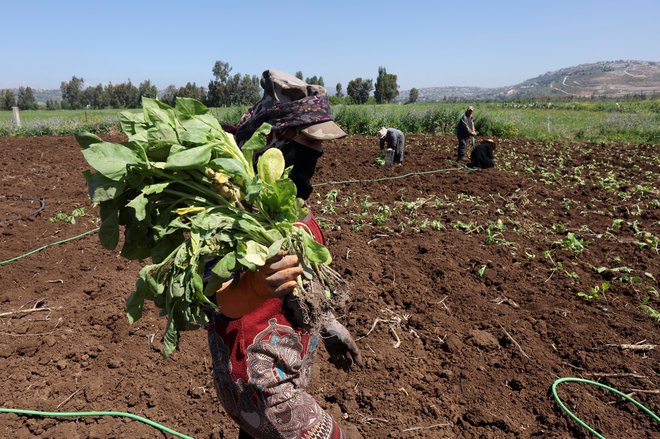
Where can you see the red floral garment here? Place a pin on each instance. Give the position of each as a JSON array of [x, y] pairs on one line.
[[261, 367]]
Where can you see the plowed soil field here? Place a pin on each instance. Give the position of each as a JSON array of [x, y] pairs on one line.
[[465, 297]]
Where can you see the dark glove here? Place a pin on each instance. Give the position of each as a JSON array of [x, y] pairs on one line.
[[343, 351]]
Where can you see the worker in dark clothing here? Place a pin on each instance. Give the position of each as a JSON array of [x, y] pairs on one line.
[[482, 155], [464, 129], [395, 140]]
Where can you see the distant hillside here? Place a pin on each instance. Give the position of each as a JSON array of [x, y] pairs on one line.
[[607, 79], [42, 95]]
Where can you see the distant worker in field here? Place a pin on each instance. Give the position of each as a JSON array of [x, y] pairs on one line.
[[395, 141], [482, 155], [464, 130]]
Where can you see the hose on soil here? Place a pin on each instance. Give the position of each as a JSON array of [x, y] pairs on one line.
[[582, 423], [396, 177], [80, 414], [49, 245], [42, 205]]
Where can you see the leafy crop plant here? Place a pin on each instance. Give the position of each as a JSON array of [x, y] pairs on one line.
[[187, 195]]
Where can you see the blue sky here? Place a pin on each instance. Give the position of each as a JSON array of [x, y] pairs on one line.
[[424, 42]]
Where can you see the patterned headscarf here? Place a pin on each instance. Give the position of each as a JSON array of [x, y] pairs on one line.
[[292, 107], [300, 113]]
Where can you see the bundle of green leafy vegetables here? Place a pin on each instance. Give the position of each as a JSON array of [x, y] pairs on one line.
[[186, 194]]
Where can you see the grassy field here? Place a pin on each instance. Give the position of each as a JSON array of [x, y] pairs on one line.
[[630, 122]]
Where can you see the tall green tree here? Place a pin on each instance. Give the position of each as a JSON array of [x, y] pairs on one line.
[[218, 94], [191, 90], [147, 89], [72, 92], [250, 90], [52, 104], [359, 90], [7, 99], [386, 87], [413, 95], [226, 89], [168, 95], [123, 95], [315, 80], [26, 99], [338, 92], [299, 75], [95, 97]]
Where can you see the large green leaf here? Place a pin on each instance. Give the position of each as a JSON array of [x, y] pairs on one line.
[[225, 266], [138, 241], [154, 188], [187, 108], [274, 248], [141, 137], [279, 200], [156, 288], [171, 337], [86, 139], [177, 288], [110, 159], [101, 188], [166, 245], [135, 302], [161, 135], [189, 158], [256, 253], [230, 166], [316, 252], [139, 203], [109, 230], [256, 142], [131, 123], [156, 111], [212, 221], [195, 132]]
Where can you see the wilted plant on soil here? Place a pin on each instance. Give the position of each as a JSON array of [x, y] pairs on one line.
[[68, 217], [573, 243]]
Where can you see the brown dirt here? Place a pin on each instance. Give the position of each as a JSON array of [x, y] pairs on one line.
[[449, 353]]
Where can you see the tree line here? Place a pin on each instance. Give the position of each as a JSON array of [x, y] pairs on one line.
[[25, 99], [224, 89]]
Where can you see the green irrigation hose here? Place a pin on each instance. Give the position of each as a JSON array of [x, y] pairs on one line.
[[79, 414], [578, 420], [393, 178], [48, 245]]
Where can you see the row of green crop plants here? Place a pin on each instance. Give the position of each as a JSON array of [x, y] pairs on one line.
[[631, 122]]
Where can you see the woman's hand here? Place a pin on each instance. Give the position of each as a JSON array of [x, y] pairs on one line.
[[276, 278]]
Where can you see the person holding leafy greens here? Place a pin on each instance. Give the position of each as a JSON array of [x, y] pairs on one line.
[[263, 347]]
